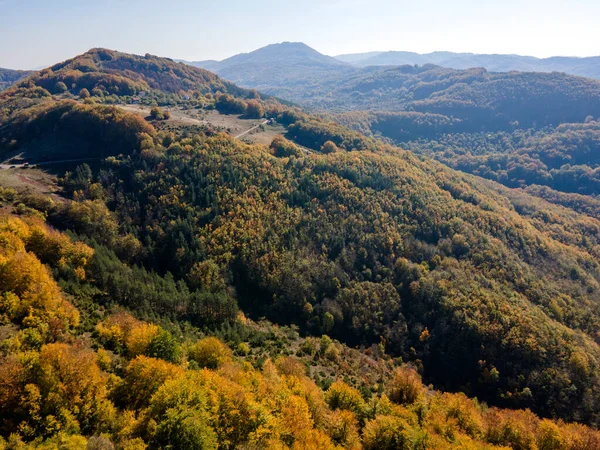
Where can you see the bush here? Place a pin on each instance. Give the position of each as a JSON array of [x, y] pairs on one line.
[[157, 114], [164, 346], [341, 396], [281, 148]]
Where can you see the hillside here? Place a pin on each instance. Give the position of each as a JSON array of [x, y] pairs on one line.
[[109, 380], [476, 97], [48, 115], [124, 74], [584, 67], [9, 76], [339, 240]]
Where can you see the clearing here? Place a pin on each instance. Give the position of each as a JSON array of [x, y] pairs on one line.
[[238, 126]]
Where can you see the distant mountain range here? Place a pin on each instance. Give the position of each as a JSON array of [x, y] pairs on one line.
[[298, 73], [277, 68], [585, 67]]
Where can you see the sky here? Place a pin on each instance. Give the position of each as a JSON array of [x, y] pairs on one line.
[[35, 33]]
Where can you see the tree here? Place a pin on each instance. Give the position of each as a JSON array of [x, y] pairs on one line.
[[341, 396], [60, 88], [156, 113], [329, 147], [385, 433], [84, 93], [163, 345], [210, 353], [255, 109], [405, 387], [144, 376]]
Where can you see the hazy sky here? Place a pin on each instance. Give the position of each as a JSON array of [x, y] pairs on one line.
[[41, 32]]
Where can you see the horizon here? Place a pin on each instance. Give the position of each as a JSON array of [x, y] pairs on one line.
[[42, 34], [41, 67]]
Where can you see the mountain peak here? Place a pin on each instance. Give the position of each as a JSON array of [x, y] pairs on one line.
[[275, 61], [283, 53]]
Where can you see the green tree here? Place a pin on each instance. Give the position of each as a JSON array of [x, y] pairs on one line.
[[60, 88], [329, 147]]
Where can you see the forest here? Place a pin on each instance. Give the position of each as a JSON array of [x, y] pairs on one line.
[[190, 290], [520, 129], [563, 158]]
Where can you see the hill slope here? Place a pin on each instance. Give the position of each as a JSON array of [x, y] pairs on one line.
[[125, 74], [485, 291], [9, 76], [112, 380], [48, 114]]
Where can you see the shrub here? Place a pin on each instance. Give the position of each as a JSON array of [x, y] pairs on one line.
[[329, 147], [60, 88]]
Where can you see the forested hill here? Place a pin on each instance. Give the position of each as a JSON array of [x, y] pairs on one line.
[[517, 128], [52, 113], [9, 76], [327, 232], [475, 99], [122, 74]]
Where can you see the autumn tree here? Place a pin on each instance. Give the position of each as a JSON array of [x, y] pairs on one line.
[[210, 352], [254, 109], [84, 93], [329, 147]]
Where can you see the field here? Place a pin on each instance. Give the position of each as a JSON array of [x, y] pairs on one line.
[[30, 181], [229, 123]]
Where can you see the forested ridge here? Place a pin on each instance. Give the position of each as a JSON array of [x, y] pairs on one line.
[[563, 158], [9, 76], [342, 241]]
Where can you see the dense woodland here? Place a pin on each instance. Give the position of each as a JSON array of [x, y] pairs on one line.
[[563, 158], [378, 266]]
